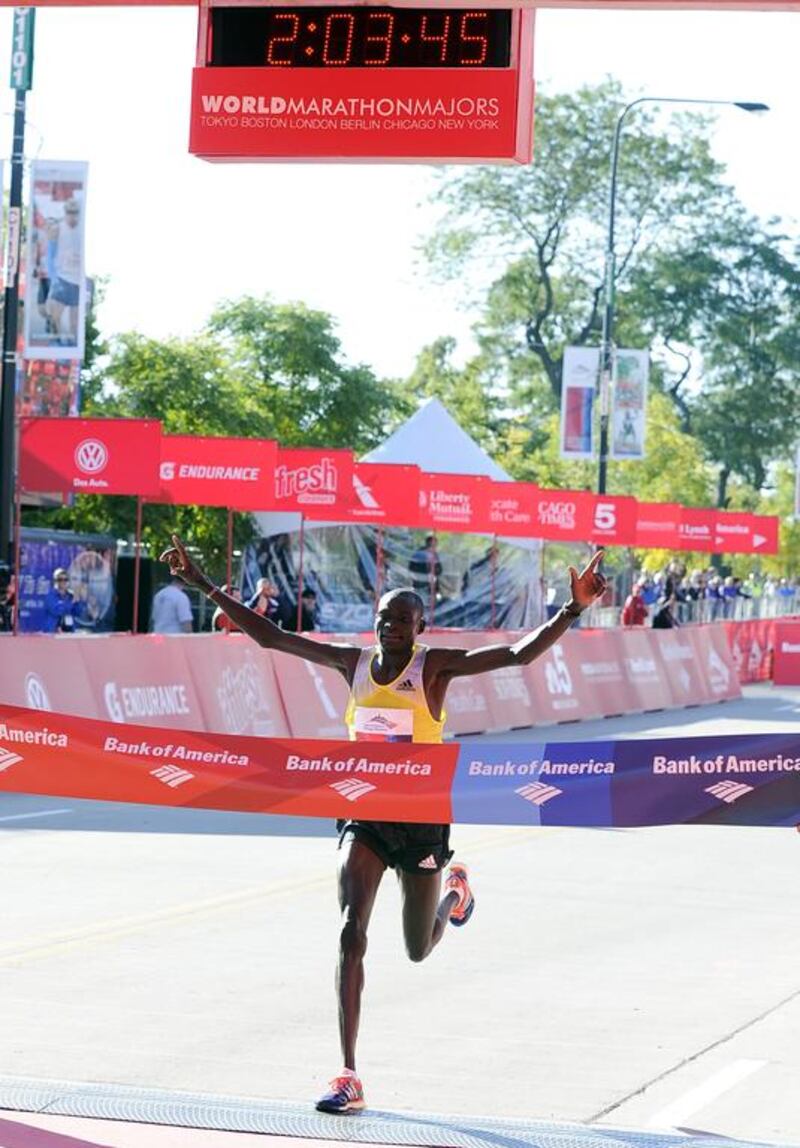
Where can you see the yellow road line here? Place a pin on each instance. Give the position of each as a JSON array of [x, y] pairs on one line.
[[15, 953]]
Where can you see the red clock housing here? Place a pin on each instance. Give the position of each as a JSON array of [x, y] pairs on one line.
[[363, 83]]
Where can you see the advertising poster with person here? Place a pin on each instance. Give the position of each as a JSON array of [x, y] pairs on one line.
[[630, 404], [55, 276], [67, 582]]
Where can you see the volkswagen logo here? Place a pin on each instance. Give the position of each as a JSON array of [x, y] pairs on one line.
[[36, 693], [91, 456]]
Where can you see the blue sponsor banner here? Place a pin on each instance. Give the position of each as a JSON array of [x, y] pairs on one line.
[[752, 779]]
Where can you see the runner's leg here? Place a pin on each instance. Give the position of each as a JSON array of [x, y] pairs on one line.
[[424, 914], [360, 873]]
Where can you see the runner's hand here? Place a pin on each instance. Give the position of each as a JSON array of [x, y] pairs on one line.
[[181, 564], [587, 586]]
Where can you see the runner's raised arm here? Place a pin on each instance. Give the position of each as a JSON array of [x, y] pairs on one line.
[[338, 656]]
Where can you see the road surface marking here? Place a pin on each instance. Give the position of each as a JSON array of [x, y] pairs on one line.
[[674, 1115], [37, 813]]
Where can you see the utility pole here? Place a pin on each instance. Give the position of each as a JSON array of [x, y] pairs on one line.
[[21, 82]]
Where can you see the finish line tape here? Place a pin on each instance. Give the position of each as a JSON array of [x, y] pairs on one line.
[[752, 779]]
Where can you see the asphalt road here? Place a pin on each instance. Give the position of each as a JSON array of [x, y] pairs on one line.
[[646, 978]]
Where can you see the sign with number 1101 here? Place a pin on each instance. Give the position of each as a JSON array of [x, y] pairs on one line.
[[22, 49]]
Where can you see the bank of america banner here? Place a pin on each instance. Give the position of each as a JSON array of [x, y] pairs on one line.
[[748, 779], [55, 291], [629, 410], [578, 386]]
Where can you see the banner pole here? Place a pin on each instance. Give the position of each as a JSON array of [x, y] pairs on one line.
[[379, 568], [432, 579], [229, 558], [17, 551], [494, 572], [300, 574], [137, 564]]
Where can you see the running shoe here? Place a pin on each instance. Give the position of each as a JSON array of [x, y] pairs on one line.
[[457, 882], [346, 1094]]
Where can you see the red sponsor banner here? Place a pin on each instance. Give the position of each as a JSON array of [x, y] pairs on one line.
[[457, 502], [512, 509], [596, 659], [733, 532], [467, 704], [46, 673], [680, 667], [235, 683], [714, 661], [314, 697], [787, 653], [382, 493], [752, 645], [79, 757], [559, 690], [314, 482], [386, 493], [614, 520], [278, 113], [90, 456], [646, 688], [235, 472], [658, 525], [697, 529], [766, 533], [564, 515], [144, 680]]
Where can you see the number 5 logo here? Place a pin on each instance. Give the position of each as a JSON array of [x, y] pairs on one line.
[[605, 516]]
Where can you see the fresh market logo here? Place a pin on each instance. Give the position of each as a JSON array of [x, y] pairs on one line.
[[313, 484]]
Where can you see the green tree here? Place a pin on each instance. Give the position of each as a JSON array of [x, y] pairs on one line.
[[537, 235], [300, 388]]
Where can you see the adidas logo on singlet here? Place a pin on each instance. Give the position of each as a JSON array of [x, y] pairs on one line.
[[405, 685]]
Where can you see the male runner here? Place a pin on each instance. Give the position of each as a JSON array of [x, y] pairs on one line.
[[397, 691]]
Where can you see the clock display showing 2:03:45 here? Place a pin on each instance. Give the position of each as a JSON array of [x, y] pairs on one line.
[[360, 37]]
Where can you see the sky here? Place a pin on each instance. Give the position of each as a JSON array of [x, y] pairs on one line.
[[174, 235]]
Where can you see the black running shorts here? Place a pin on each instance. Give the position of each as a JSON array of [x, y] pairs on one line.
[[400, 845]]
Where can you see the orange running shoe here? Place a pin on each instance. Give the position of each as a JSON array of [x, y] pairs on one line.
[[346, 1094], [457, 882]]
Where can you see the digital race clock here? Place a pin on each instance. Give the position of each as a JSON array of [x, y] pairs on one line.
[[361, 37], [366, 82]]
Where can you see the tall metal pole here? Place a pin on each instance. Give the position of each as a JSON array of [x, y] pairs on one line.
[[607, 337], [21, 81]]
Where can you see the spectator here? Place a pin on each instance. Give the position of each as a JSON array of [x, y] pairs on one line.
[[635, 611], [220, 622], [6, 609], [60, 607], [172, 610], [308, 612], [649, 590], [265, 601], [664, 617], [425, 569]]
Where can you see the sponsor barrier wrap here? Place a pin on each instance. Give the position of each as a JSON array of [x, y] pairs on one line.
[[787, 653], [736, 780]]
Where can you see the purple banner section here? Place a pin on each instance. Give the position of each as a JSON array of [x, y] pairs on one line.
[[726, 780]]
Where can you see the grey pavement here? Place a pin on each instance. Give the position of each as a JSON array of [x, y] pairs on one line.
[[645, 978]]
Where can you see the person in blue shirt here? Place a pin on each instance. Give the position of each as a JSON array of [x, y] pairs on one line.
[[60, 607]]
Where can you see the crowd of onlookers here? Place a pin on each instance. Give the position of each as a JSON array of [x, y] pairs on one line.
[[674, 596]]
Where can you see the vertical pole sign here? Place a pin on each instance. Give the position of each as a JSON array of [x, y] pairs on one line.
[[21, 81], [629, 409], [578, 386]]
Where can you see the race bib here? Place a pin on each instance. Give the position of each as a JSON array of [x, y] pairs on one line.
[[381, 724]]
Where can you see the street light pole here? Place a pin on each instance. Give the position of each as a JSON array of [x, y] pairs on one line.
[[606, 363], [21, 81]]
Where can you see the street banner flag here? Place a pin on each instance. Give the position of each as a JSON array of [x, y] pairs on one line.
[[578, 387], [55, 276], [629, 411]]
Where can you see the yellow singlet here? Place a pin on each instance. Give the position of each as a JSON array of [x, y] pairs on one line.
[[397, 711]]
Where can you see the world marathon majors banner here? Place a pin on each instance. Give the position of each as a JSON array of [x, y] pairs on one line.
[[726, 780]]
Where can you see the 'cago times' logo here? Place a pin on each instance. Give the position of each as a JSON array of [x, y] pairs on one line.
[[91, 456]]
